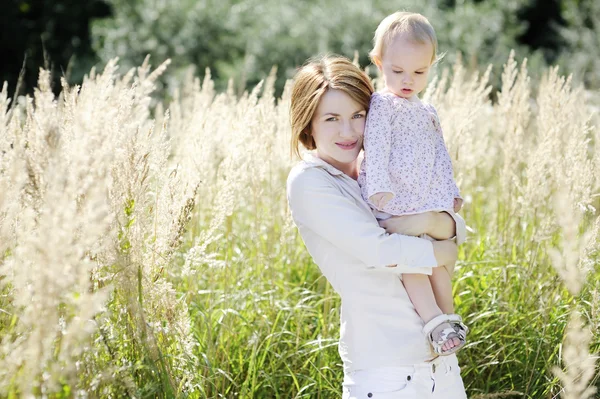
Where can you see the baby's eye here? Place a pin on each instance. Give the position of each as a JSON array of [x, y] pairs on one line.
[[397, 71], [419, 73]]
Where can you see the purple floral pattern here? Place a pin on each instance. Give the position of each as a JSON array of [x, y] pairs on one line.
[[405, 154]]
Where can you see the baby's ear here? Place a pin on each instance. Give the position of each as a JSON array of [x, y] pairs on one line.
[[377, 61]]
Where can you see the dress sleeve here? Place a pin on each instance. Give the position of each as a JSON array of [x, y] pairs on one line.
[[320, 206], [378, 145]]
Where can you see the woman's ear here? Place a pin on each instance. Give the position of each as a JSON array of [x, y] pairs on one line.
[[307, 131]]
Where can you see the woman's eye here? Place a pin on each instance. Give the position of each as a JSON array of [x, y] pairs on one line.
[[332, 119], [358, 116]]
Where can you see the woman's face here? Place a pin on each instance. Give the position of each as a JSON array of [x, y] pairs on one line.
[[337, 128]]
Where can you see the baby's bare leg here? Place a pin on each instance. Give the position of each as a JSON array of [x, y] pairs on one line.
[[441, 284], [420, 292]]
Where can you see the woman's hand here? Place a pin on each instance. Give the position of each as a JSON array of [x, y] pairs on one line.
[[409, 225], [445, 252], [458, 202]]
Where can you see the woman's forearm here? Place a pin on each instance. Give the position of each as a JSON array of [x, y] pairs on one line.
[[441, 226]]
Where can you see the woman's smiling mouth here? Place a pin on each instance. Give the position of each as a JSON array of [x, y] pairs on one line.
[[347, 145]]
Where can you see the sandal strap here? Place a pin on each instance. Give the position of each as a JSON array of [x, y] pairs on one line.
[[446, 334], [443, 337], [456, 322], [433, 323], [454, 317]]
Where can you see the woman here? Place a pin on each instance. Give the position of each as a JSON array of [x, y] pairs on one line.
[[383, 348]]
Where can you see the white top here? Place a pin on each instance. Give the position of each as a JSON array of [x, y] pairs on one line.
[[405, 155], [379, 325]]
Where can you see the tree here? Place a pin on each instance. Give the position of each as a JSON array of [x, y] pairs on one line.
[[54, 34]]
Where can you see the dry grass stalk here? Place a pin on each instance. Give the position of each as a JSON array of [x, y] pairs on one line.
[[578, 362], [512, 121], [96, 199], [570, 263], [460, 102], [94, 196], [560, 159]]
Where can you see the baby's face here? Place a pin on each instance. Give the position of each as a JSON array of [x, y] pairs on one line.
[[405, 66]]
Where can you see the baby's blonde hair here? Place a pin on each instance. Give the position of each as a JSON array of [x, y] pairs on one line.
[[416, 26]]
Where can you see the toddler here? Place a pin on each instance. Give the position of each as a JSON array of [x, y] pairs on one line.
[[407, 169]]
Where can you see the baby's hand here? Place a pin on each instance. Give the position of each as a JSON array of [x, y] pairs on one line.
[[457, 204], [381, 199]]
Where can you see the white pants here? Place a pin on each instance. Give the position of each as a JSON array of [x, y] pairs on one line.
[[437, 379]]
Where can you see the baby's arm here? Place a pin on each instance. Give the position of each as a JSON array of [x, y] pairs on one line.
[[378, 144]]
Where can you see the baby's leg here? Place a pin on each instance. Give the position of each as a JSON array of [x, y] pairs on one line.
[[420, 292], [441, 284]]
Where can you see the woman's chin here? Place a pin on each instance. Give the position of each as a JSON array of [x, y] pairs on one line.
[[348, 156]]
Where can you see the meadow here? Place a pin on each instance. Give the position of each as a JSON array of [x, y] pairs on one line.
[[146, 249]]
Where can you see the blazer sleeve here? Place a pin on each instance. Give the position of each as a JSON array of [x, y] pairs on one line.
[[317, 204]]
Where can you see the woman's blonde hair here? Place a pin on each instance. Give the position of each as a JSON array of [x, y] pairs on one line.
[[312, 81], [416, 26]]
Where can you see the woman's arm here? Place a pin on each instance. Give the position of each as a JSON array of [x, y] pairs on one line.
[[438, 225], [320, 206]]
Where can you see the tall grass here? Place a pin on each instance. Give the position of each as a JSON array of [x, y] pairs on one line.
[[146, 249]]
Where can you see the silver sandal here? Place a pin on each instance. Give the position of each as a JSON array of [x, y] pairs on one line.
[[456, 329]]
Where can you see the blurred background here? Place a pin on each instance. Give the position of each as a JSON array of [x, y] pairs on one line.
[[243, 39]]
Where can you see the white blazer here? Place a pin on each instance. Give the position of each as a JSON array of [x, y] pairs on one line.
[[379, 325]]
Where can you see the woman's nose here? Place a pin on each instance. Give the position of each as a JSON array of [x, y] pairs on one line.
[[347, 130]]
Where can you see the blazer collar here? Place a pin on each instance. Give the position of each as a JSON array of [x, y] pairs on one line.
[[311, 160]]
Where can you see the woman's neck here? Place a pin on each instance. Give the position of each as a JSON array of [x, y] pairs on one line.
[[353, 172], [350, 169]]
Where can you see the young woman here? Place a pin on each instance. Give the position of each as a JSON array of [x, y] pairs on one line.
[[384, 350]]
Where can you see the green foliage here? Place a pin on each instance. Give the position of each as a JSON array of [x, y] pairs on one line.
[[243, 39], [581, 54], [201, 33]]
